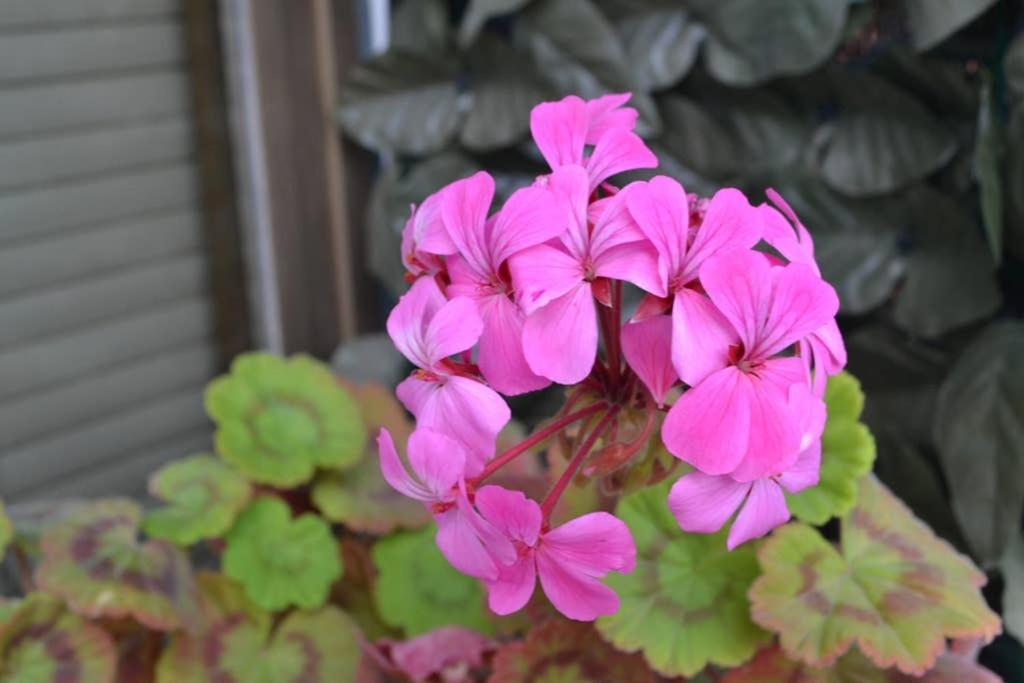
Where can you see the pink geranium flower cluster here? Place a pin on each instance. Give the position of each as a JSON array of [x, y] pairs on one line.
[[733, 339]]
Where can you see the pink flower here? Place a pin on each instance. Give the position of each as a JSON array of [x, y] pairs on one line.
[[703, 503], [823, 350], [647, 345], [564, 129], [427, 329], [569, 559], [685, 239], [424, 239], [530, 216], [736, 417], [471, 544], [555, 280], [447, 653]]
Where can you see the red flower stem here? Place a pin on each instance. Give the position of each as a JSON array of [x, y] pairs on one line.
[[577, 460], [526, 444]]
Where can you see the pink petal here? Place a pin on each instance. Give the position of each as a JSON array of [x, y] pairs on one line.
[[572, 557], [500, 355], [494, 539], [542, 274], [468, 411], [428, 228], [779, 233], [636, 262], [740, 285], [701, 336], [570, 185], [446, 647], [438, 460], [614, 225], [511, 512], [458, 541], [592, 544], [514, 586], [532, 215], [560, 339], [559, 129], [709, 426], [618, 150], [605, 113], [454, 328], [764, 510], [395, 473], [465, 281], [803, 236], [661, 209], [648, 349], [811, 415], [729, 223], [464, 207], [407, 323], [774, 442], [800, 304], [703, 503]]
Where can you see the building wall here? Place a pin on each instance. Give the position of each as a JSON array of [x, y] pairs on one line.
[[105, 315]]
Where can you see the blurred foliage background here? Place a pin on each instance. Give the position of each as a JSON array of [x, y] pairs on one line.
[[894, 128]]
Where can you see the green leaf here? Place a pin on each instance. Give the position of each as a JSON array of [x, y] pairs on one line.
[[856, 241], [883, 139], [417, 590], [979, 431], [771, 666], [204, 497], [240, 644], [988, 159], [6, 530], [685, 605], [951, 279], [699, 140], [1013, 68], [1013, 179], [479, 11], [562, 651], [744, 45], [1012, 568], [42, 642], [360, 498], [401, 102], [95, 562], [420, 26], [661, 45], [932, 21], [282, 561], [279, 419], [891, 586], [505, 90], [576, 47], [847, 452]]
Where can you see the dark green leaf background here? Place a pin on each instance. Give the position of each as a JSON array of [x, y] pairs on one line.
[[895, 129]]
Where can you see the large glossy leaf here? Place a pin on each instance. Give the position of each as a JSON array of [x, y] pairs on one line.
[[661, 45], [685, 605], [772, 666], [41, 641], [988, 159], [420, 26], [745, 44], [891, 586], [6, 530], [479, 11], [279, 419], [857, 243], [847, 452], [1013, 178], [932, 21], [204, 496], [401, 101], [1012, 568], [279, 560], [505, 89], [579, 51], [698, 139], [95, 561], [1013, 68], [951, 277], [561, 651], [417, 590], [979, 431], [883, 139], [238, 643]]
